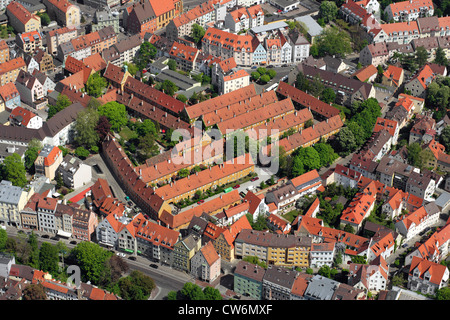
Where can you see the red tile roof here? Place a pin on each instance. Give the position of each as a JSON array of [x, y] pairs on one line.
[[20, 12]]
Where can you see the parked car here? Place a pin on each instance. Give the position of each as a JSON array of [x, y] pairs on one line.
[[255, 178], [132, 258], [73, 242], [46, 236], [200, 201], [155, 266], [236, 186]]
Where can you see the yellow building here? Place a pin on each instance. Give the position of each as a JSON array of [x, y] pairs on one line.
[[21, 19], [10, 70]]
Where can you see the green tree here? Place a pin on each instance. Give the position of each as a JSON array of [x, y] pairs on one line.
[[182, 98], [328, 11], [3, 238], [421, 56], [332, 41], [13, 169], [91, 258], [136, 286], [172, 64], [34, 147], [414, 150], [82, 152], [147, 52], [272, 73], [191, 291], [302, 82], [345, 140], [326, 153], [168, 87], [34, 292], [297, 167], [328, 95], [48, 258], [310, 158], [45, 19], [147, 147], [443, 293], [255, 75], [62, 102], [198, 32], [264, 78], [211, 293], [116, 113], [441, 58], [444, 138], [146, 127], [95, 85], [85, 128], [358, 133]]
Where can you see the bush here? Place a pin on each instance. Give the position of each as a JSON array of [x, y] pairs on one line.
[[81, 153]]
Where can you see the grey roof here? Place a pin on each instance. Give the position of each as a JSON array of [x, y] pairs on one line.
[[321, 288], [9, 193], [61, 119], [181, 81], [250, 271], [66, 48], [314, 29], [443, 200], [280, 276], [269, 27]]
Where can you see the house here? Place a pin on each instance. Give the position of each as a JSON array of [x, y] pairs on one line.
[[248, 279], [10, 70], [9, 96], [185, 56], [224, 242], [307, 183], [244, 18], [391, 126], [12, 200], [100, 191], [4, 51], [21, 19], [415, 222], [283, 197], [59, 36], [107, 231], [74, 172], [184, 250], [371, 277], [314, 29], [409, 10], [360, 208], [322, 254], [393, 76], [44, 59], [64, 12], [422, 79], [47, 83], [48, 161], [300, 48], [257, 205], [31, 90], [366, 74], [320, 288], [375, 54], [123, 51], [426, 276], [434, 249], [278, 282], [25, 118], [29, 41], [205, 264], [423, 125], [104, 18]]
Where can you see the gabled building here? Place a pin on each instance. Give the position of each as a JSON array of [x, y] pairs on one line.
[[415, 222], [426, 276], [409, 10], [21, 19], [205, 265], [64, 12], [371, 277]]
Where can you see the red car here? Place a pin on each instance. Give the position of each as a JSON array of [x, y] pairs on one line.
[[200, 201], [255, 178], [236, 186]]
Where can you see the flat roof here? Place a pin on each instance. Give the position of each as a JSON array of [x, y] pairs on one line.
[[269, 27]]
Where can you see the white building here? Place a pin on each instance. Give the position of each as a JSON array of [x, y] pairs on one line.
[[12, 200], [74, 172], [322, 254], [409, 10], [419, 220]]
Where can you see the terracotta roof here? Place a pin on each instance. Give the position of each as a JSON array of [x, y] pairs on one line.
[[20, 12], [182, 51], [386, 124], [161, 7], [227, 64], [47, 203], [197, 110], [307, 100], [412, 6], [232, 41], [52, 156], [357, 210], [365, 73], [209, 253], [12, 64], [62, 5], [8, 91], [435, 271], [22, 115], [394, 73]]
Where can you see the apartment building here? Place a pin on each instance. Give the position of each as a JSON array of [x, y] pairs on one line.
[[48, 161], [4, 51], [10, 70], [21, 19], [205, 265], [12, 200], [74, 172], [64, 12], [59, 36], [409, 10], [185, 56], [244, 18]]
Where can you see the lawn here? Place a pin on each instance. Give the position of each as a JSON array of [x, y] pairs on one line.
[[291, 215], [127, 133]]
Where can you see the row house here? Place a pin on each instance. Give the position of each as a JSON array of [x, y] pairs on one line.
[[12, 200], [244, 18], [426, 276], [22, 117], [10, 70], [123, 51], [434, 249], [59, 36], [184, 250], [374, 54], [419, 83], [409, 10], [274, 249], [21, 19], [64, 12], [48, 161], [44, 60], [415, 222], [224, 242], [185, 56], [248, 279], [31, 89], [359, 209], [372, 277], [206, 263], [4, 51]]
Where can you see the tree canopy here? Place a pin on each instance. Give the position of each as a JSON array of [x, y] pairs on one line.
[[13, 169], [95, 85], [333, 41], [116, 113]]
